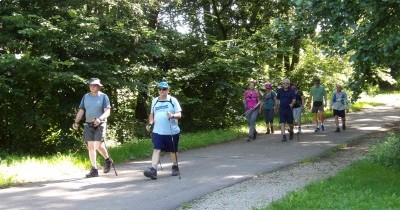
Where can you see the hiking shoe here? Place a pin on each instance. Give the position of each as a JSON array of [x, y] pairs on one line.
[[344, 127], [151, 173], [107, 165], [322, 127], [291, 136], [93, 173], [284, 138], [337, 130], [316, 130], [175, 171]]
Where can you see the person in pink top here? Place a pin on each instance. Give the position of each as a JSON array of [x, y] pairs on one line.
[[251, 97]]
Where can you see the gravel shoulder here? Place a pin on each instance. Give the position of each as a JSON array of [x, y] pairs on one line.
[[262, 189]]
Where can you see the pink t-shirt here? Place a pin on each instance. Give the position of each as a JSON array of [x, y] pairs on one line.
[[251, 97]]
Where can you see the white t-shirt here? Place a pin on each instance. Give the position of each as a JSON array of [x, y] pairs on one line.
[[163, 125]]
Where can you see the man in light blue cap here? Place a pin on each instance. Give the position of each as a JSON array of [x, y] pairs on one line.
[[164, 114]]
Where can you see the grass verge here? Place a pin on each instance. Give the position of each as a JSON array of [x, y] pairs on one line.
[[366, 184]]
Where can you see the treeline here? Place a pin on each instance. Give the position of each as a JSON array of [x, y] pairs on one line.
[[207, 50]]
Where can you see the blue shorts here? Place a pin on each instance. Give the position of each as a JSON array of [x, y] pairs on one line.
[[164, 142], [285, 116]]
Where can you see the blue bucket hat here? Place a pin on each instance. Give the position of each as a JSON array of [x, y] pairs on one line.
[[163, 85]]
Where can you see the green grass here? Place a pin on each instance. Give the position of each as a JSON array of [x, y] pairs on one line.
[[364, 185]]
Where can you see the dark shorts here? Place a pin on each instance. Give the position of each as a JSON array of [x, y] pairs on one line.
[[285, 116], [339, 113], [164, 142], [317, 106], [91, 133]]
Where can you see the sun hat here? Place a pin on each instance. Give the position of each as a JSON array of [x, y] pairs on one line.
[[95, 81], [163, 85]]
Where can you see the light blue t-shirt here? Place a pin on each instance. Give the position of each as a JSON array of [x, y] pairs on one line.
[[94, 105], [163, 125]]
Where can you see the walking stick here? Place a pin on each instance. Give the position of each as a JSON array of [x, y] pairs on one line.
[[112, 163]]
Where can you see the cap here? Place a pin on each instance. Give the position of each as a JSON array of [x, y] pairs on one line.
[[163, 85]]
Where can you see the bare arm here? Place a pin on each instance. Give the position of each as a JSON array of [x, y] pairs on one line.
[[78, 118]]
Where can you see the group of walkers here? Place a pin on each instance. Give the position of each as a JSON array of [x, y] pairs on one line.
[[289, 102], [165, 112], [163, 126]]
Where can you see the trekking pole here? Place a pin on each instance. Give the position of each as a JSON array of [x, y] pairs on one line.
[[175, 152], [112, 163]]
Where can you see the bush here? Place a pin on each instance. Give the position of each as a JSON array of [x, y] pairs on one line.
[[388, 152]]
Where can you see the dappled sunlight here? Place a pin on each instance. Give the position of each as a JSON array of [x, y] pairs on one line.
[[235, 177], [372, 128]]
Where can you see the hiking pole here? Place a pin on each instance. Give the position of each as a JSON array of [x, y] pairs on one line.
[[175, 152], [109, 156]]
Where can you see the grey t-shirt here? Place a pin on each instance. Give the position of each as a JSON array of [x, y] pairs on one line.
[[94, 105]]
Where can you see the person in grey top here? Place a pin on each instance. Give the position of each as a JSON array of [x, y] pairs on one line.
[[95, 105], [339, 104]]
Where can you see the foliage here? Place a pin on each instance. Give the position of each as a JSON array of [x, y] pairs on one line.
[[388, 152], [48, 49]]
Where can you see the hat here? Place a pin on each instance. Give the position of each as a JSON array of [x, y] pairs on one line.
[[163, 85], [95, 81], [268, 86]]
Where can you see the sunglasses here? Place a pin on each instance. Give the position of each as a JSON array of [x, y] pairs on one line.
[[163, 89]]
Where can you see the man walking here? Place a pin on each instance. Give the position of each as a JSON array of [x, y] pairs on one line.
[[164, 115], [286, 99], [339, 104], [318, 99], [95, 105]]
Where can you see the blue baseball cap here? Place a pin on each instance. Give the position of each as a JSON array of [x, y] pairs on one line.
[[163, 85]]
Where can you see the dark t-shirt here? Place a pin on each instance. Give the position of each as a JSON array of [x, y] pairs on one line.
[[285, 97], [299, 102]]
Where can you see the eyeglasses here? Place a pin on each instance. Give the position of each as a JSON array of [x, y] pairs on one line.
[[162, 89]]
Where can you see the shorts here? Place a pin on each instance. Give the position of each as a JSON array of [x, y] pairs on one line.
[[91, 133], [285, 116], [269, 115], [164, 142], [317, 106], [339, 113], [297, 113]]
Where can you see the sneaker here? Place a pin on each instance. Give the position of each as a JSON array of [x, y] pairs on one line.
[[249, 139], [175, 171], [93, 173], [255, 135], [322, 127], [284, 138], [337, 130], [272, 129], [316, 130], [151, 173], [291, 136], [344, 127], [107, 165]]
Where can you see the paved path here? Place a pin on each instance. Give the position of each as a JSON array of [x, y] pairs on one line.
[[203, 170]]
